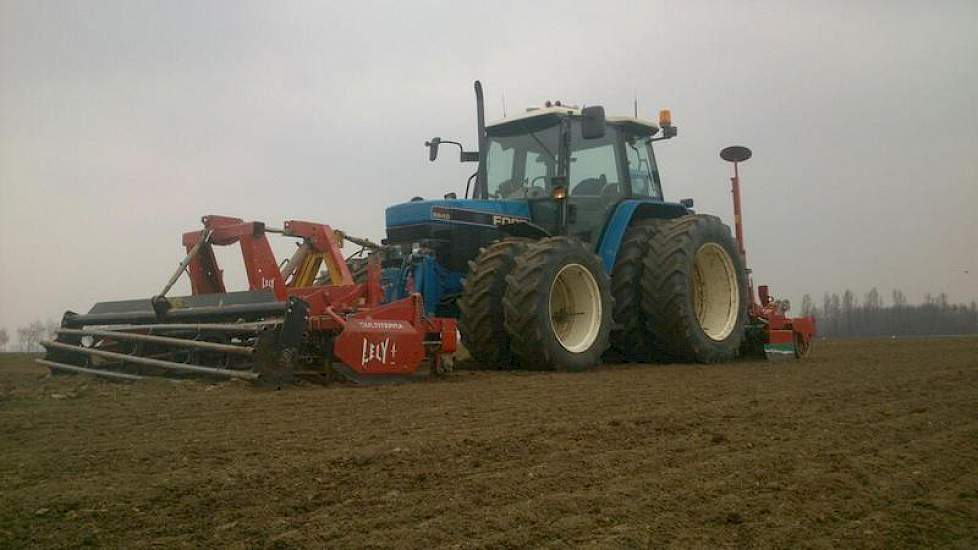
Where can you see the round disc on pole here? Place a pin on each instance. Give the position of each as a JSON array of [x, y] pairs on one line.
[[735, 153]]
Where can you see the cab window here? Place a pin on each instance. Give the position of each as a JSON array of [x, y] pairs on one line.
[[519, 163], [594, 165], [641, 168], [537, 168], [499, 169]]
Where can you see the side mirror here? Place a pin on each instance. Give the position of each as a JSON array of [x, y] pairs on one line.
[[433, 148], [592, 122]]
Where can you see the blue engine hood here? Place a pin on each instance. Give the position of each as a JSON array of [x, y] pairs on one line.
[[410, 213]]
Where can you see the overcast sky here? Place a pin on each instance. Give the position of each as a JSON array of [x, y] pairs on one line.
[[121, 123]]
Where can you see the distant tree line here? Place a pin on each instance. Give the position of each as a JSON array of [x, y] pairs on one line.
[[845, 316], [29, 337]]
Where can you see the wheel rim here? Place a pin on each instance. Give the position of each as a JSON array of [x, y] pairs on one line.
[[575, 308], [716, 296]]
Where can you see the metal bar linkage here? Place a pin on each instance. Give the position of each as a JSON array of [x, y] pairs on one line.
[[83, 370], [178, 342], [365, 243], [301, 252], [177, 314], [247, 375], [204, 327], [185, 262]]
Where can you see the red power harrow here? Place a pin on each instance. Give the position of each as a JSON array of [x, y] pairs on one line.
[[782, 337], [290, 321]]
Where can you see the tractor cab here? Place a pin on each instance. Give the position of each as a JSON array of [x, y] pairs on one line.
[[571, 166], [552, 170]]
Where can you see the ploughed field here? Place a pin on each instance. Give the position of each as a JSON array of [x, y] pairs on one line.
[[866, 443]]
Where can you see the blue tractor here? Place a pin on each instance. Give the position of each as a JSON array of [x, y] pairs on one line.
[[563, 249]]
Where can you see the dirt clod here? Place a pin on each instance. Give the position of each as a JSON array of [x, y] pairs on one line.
[[734, 518]]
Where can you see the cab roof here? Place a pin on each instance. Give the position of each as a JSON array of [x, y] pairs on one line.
[[537, 117]]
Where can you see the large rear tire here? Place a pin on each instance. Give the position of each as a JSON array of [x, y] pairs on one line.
[[558, 306], [481, 304], [694, 291], [631, 339]]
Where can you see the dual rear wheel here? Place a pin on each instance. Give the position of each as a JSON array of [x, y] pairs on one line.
[[693, 291]]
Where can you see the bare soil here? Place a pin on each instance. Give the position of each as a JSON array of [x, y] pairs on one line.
[[865, 443]]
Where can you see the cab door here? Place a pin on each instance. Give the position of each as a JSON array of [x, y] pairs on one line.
[[596, 182]]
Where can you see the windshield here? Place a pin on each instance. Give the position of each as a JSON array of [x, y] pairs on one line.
[[520, 166]]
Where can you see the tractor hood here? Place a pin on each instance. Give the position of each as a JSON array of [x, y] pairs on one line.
[[457, 211], [456, 228]]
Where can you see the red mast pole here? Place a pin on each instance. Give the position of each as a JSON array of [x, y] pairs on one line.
[[739, 232], [738, 220]]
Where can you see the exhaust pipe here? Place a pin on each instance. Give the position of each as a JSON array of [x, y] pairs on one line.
[[482, 186]]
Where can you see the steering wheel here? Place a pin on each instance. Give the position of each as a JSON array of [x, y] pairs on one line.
[[532, 191]]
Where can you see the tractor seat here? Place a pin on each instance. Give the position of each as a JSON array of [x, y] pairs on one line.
[[508, 188], [590, 186]]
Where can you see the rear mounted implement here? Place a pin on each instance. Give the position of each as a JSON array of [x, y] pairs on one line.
[[291, 321], [769, 331], [774, 333]]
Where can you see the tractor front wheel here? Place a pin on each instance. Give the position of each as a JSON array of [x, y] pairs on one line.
[[481, 304], [558, 306]]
